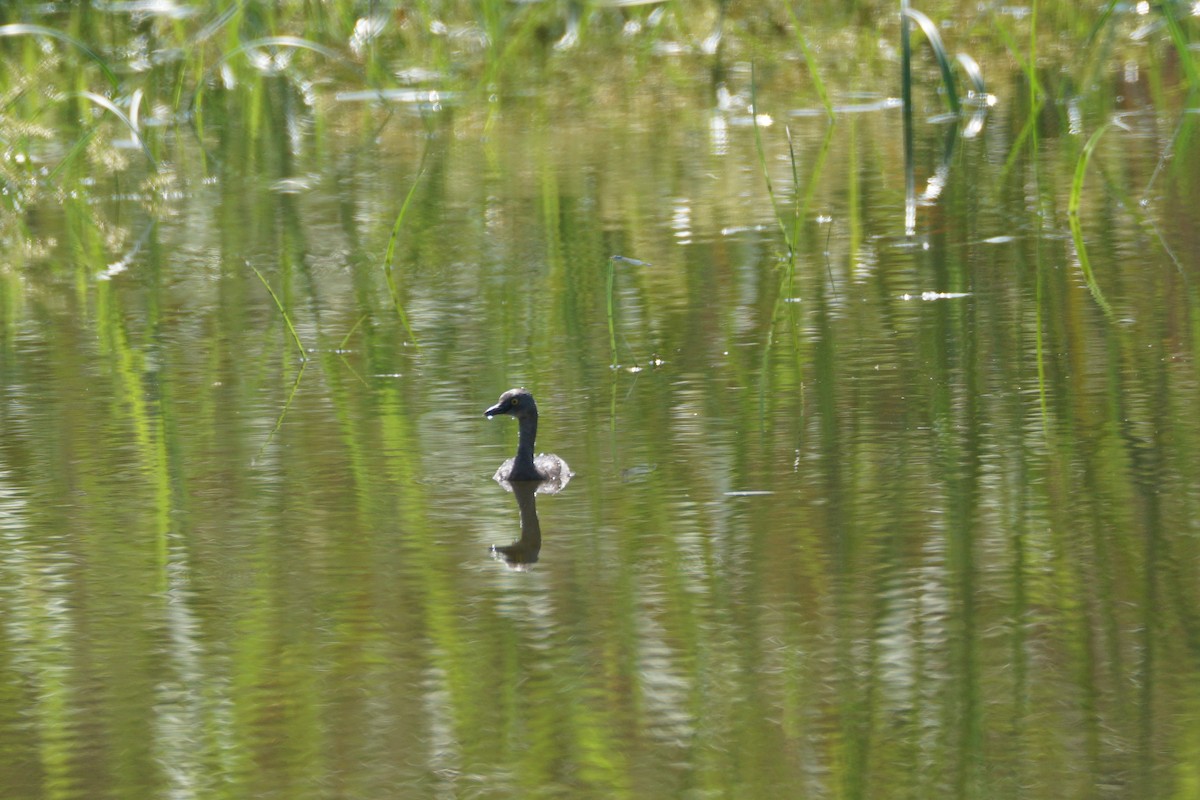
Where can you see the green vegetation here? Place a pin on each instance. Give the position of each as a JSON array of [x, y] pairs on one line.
[[283, 312], [1073, 204], [154, 77], [390, 256], [901, 503]]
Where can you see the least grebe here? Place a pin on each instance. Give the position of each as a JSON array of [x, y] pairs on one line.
[[546, 467]]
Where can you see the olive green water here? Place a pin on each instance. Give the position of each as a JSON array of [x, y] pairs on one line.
[[904, 517]]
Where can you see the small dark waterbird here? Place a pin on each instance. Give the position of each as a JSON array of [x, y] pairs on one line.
[[547, 467]]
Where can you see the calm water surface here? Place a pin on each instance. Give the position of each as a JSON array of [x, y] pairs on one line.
[[912, 518]]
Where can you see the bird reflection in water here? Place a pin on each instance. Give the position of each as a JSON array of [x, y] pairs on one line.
[[526, 477], [524, 551]]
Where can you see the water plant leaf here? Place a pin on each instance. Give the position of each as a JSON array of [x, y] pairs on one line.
[[1179, 39], [818, 84], [974, 73], [391, 252], [76, 149], [349, 333], [219, 22], [286, 406], [1085, 263], [939, 51], [111, 107], [285, 42], [286, 318], [612, 331], [762, 161], [1028, 63], [26, 29], [910, 179], [1100, 22]]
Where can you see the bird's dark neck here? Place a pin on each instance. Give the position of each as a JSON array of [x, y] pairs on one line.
[[523, 468]]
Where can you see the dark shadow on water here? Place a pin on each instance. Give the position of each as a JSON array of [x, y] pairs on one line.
[[524, 551]]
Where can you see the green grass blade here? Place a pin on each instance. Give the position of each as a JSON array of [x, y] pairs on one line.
[[1085, 263], [1028, 132], [1039, 336], [612, 310], [818, 166], [910, 180], [349, 333], [219, 22], [796, 196], [25, 29], [974, 74], [391, 252], [1081, 166], [1026, 64], [939, 51], [76, 149], [1179, 39], [1101, 21], [762, 160], [278, 304], [818, 84], [1185, 120], [612, 328], [286, 406]]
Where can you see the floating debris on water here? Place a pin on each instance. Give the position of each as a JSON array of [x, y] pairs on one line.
[[425, 97], [294, 185], [882, 104], [730, 231], [935, 296]]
